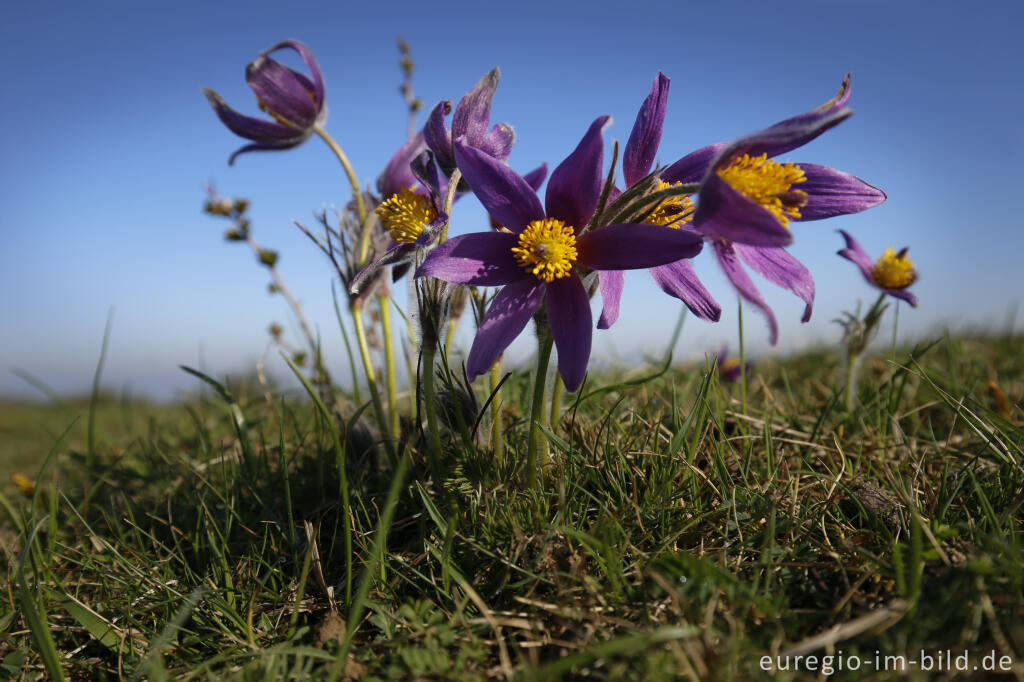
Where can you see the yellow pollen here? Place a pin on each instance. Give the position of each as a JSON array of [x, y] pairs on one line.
[[405, 215], [547, 249], [893, 270], [768, 183], [672, 212]]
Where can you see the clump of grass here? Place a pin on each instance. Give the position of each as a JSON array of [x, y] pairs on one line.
[[675, 534]]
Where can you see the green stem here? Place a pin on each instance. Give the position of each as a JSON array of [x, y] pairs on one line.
[[537, 405], [743, 364], [430, 402], [497, 437], [556, 401], [851, 380], [357, 193], [449, 199], [371, 379], [389, 363]]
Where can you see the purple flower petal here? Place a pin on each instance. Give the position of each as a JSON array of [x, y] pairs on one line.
[[535, 178], [679, 280], [498, 141], [628, 246], [831, 192], [568, 308], [904, 294], [252, 128], [397, 174], [480, 258], [858, 256], [283, 91], [310, 61], [424, 169], [505, 195], [473, 112], [722, 212], [794, 132], [638, 157], [746, 289], [510, 310], [265, 147], [610, 282], [438, 137], [781, 269], [575, 186], [694, 166]]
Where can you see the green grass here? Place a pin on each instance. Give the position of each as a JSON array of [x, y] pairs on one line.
[[672, 536]]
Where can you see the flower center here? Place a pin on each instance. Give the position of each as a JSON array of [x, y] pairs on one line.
[[405, 214], [894, 270], [672, 212], [768, 183], [547, 248]]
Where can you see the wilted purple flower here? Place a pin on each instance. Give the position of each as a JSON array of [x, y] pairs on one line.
[[295, 102], [746, 200], [892, 273], [471, 118], [535, 257], [676, 279]]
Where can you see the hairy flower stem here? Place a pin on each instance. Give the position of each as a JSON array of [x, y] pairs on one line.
[[430, 403], [384, 304], [371, 379], [855, 348], [357, 192], [743, 365], [497, 435], [556, 401], [544, 343], [449, 199], [852, 365]]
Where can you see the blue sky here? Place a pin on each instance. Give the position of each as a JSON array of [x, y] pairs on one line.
[[109, 141]]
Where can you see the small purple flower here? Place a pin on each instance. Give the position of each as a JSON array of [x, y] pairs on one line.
[[471, 118], [295, 102], [892, 273], [747, 200], [535, 258], [729, 368]]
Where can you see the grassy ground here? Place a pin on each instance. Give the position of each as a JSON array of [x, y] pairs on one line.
[[675, 534]]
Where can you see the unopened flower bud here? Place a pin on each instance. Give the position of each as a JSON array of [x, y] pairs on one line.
[[268, 257]]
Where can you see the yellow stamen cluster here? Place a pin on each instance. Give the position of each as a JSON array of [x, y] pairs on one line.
[[405, 214], [893, 270], [547, 249], [768, 183], [672, 212]]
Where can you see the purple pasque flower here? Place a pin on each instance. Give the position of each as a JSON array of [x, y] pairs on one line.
[[892, 273], [536, 257], [747, 200], [729, 368], [676, 279], [470, 121], [295, 102]]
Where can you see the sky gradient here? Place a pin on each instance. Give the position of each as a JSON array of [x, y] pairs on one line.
[[109, 141]]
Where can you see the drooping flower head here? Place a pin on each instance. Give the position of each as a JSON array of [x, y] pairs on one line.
[[470, 121], [892, 272], [747, 200], [539, 256], [294, 101]]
